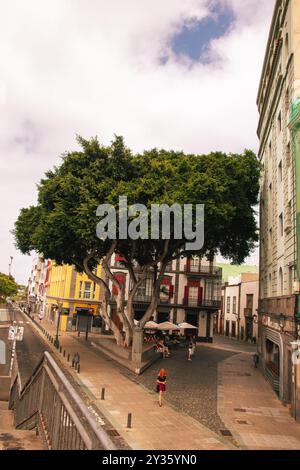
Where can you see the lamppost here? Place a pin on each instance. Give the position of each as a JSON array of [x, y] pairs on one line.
[[9, 266], [90, 313], [56, 341]]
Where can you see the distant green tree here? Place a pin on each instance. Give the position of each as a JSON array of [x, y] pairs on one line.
[[62, 225], [8, 287]]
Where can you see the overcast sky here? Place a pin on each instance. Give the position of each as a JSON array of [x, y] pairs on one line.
[[180, 74]]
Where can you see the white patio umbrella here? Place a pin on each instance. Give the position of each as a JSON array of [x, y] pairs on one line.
[[187, 326], [167, 326], [151, 325]]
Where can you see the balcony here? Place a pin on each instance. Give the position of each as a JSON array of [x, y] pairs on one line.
[[199, 270], [278, 306], [202, 303]]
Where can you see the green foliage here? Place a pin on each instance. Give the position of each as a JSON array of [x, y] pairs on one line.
[[8, 287], [63, 224]]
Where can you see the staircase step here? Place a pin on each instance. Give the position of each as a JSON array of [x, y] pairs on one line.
[[15, 439]]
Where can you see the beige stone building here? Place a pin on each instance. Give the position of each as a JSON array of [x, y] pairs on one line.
[[240, 304], [279, 92]]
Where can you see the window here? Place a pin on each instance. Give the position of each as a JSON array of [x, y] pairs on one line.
[[234, 305], [280, 172], [249, 302], [87, 290], [270, 238], [228, 305], [80, 289], [270, 285], [287, 100], [286, 43], [291, 280], [279, 123], [288, 154], [288, 218], [94, 290], [281, 225], [193, 296]]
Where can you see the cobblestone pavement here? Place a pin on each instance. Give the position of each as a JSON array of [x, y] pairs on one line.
[[192, 386], [251, 410]]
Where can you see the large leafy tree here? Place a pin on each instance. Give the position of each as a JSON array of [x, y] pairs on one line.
[[8, 287], [62, 225]]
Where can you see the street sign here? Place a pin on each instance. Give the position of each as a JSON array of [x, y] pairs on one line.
[[15, 333]]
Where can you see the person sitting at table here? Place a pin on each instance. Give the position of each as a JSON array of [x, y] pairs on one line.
[[161, 347]]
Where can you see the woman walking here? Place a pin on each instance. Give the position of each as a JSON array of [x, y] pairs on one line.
[[190, 350], [161, 385]]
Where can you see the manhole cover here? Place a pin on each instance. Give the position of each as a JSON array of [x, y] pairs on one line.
[[241, 422], [225, 433], [113, 432], [240, 410]]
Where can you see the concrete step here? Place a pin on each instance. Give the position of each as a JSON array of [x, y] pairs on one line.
[[15, 439]]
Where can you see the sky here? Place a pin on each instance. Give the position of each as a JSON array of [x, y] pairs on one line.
[[174, 74]]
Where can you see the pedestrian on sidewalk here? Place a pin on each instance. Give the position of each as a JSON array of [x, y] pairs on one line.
[[190, 349], [161, 384]]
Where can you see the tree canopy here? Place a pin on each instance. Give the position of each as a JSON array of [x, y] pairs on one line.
[[62, 225]]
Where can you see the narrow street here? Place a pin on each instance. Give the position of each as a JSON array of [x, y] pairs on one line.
[[30, 350]]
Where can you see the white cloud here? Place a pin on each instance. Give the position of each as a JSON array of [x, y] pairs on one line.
[[93, 67]]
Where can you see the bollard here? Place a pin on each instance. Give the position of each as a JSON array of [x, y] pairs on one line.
[[64, 353], [78, 368], [73, 363], [129, 420], [68, 359], [103, 394]]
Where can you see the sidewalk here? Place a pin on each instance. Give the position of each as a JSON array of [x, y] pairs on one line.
[[233, 345], [153, 428], [251, 410]]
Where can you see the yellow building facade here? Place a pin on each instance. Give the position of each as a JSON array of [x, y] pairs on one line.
[[79, 297]]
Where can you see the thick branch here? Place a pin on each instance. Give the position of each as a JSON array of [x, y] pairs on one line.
[[93, 276]]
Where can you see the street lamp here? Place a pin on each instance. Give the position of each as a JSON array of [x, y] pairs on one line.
[[56, 341]]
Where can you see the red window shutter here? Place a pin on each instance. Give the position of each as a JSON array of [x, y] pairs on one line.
[[186, 293], [200, 291], [119, 258], [171, 292], [121, 279], [188, 265]]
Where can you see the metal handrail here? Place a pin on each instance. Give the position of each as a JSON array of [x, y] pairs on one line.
[[48, 401]]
